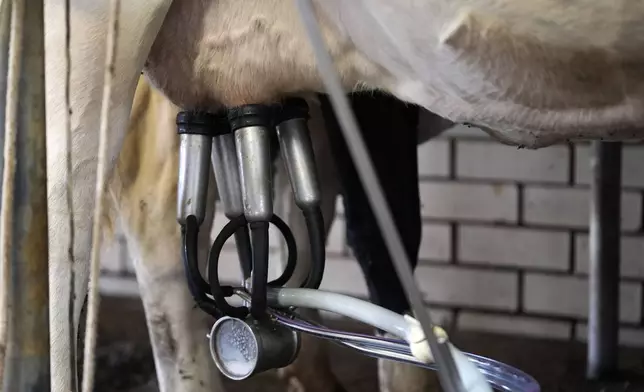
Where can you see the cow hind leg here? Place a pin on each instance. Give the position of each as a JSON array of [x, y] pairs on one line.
[[177, 327], [143, 192], [378, 115]]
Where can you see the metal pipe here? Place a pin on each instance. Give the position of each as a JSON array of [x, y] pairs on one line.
[[5, 26], [605, 213], [194, 159], [253, 154], [27, 365], [297, 152]]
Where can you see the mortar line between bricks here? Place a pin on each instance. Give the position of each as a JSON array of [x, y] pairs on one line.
[[490, 267], [500, 223], [466, 180], [452, 159], [572, 161], [454, 234], [549, 185], [496, 224], [622, 279], [520, 204], [572, 253], [508, 313], [520, 291]]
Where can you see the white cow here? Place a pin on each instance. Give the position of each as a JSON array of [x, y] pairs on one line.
[[531, 72]]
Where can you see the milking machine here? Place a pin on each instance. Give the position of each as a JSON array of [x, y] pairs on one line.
[[264, 332]]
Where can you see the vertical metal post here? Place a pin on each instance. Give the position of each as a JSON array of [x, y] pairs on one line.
[[605, 214], [5, 27], [5, 33], [27, 365]]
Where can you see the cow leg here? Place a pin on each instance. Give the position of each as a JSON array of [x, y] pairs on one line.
[[394, 155], [139, 24], [177, 327], [311, 370], [143, 195]]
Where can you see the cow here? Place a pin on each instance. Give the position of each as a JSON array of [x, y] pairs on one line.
[[529, 73]]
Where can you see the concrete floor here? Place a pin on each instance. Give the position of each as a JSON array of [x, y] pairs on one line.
[[125, 362]]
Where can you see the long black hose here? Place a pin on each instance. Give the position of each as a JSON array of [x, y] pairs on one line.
[[196, 285], [291, 249], [317, 238], [259, 236], [244, 250], [217, 291], [218, 307]]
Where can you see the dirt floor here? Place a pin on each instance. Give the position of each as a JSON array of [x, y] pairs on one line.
[[124, 360]]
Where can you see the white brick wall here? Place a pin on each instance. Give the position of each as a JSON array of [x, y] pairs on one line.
[[514, 247], [436, 243], [509, 163], [504, 246], [459, 286], [433, 158], [453, 200]]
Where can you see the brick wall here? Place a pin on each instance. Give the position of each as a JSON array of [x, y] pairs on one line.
[[505, 238]]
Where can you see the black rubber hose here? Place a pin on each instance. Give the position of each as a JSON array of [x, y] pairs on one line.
[[218, 292], [244, 250], [191, 243], [259, 236], [196, 284], [317, 238], [291, 247]]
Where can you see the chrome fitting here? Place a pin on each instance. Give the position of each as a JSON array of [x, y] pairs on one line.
[[195, 134], [252, 126], [297, 152]]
